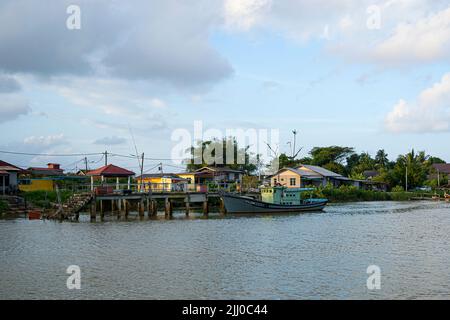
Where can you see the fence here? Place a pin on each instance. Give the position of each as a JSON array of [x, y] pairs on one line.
[[156, 187]]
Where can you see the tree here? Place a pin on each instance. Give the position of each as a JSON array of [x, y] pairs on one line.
[[215, 152], [324, 155], [381, 159], [414, 166]]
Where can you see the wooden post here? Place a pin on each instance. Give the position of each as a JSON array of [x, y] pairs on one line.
[[168, 209], [148, 207], [187, 208], [141, 207], [102, 212], [127, 208], [94, 210], [222, 207], [154, 208], [112, 207], [205, 207]]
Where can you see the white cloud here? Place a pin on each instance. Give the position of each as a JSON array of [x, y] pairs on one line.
[[45, 141], [244, 14], [114, 140], [430, 113], [425, 40], [12, 106]]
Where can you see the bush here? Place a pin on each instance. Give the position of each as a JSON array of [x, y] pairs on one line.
[[397, 189], [3, 206], [44, 199]]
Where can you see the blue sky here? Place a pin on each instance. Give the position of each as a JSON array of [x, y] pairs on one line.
[[157, 66]]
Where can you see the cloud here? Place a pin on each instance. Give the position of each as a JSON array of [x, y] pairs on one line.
[[8, 84], [429, 113], [45, 141], [426, 40], [12, 106], [159, 40], [110, 141]]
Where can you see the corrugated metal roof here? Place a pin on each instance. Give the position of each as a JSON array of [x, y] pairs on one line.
[[442, 167], [322, 171]]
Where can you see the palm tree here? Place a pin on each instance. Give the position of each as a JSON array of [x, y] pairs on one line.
[[381, 159]]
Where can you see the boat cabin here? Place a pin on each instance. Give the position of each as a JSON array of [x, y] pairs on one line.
[[283, 195]]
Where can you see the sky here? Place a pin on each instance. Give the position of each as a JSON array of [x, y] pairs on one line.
[[123, 76]]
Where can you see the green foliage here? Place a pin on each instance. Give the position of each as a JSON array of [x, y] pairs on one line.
[[3, 206], [44, 199], [325, 155], [398, 189], [217, 150]]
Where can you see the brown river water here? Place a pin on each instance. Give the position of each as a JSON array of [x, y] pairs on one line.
[[321, 255]]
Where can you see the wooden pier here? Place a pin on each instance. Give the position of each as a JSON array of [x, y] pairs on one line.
[[144, 204]]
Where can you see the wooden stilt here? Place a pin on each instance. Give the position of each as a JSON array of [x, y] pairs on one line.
[[167, 208], [94, 210], [222, 207], [141, 208], [154, 208], [205, 207], [102, 212], [187, 208], [127, 208], [149, 211]]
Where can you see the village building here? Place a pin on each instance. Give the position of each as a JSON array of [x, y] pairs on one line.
[[307, 175], [443, 169], [9, 177], [40, 178], [162, 182], [108, 173]]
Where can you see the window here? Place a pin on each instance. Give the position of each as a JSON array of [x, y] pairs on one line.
[[292, 181]]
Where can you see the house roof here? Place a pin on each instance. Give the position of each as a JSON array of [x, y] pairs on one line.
[[300, 172], [322, 171], [442, 167], [5, 166], [370, 173], [159, 175], [219, 169], [110, 170], [3, 173], [45, 171]]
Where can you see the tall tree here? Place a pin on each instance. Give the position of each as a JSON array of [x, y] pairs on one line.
[[381, 159]]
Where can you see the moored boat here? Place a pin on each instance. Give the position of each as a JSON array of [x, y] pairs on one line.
[[274, 200]]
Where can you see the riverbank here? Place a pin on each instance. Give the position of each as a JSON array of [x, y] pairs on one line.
[[353, 194]]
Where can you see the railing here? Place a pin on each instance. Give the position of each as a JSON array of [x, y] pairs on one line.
[[155, 187]]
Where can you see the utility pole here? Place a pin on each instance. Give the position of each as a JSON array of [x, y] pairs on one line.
[[85, 164], [293, 149], [106, 158], [439, 182], [406, 179], [142, 173]]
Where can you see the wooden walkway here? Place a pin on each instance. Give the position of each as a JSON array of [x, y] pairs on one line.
[[144, 203]]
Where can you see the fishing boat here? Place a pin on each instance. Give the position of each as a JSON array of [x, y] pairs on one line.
[[274, 200]]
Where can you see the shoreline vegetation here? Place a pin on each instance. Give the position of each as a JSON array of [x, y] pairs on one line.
[[48, 199]]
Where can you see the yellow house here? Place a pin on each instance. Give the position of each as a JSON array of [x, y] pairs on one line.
[[162, 182], [36, 185], [287, 177]]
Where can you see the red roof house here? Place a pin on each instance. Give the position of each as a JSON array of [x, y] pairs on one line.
[[110, 170]]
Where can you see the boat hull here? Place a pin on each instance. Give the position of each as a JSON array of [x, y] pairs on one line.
[[238, 204]]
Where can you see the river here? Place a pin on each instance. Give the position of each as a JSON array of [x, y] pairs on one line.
[[321, 255]]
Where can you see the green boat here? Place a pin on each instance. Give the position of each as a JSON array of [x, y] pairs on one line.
[[274, 200]]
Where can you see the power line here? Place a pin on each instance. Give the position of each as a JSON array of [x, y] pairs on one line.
[[52, 154]]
